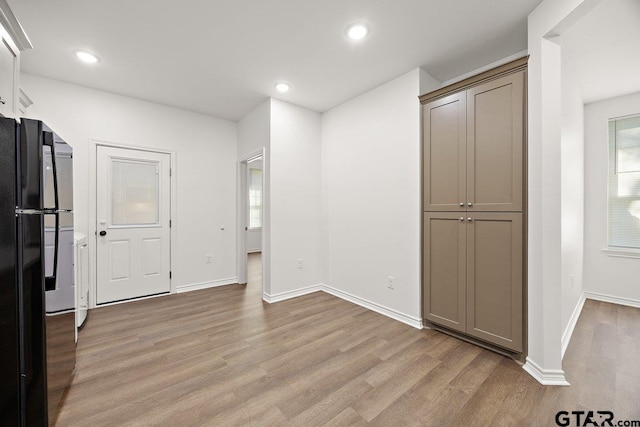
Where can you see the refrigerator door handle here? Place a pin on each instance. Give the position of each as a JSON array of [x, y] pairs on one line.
[[50, 281], [48, 141]]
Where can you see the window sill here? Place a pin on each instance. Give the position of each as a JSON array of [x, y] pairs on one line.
[[622, 252]]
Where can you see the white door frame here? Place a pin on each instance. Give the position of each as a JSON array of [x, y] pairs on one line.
[[242, 207], [93, 218]]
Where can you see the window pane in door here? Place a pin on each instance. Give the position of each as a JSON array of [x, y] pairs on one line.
[[134, 192]]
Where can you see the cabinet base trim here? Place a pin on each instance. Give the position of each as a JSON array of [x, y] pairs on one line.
[[545, 376], [516, 356]]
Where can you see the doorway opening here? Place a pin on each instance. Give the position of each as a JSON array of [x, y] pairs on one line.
[[251, 222]]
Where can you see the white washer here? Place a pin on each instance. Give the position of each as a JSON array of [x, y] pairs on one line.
[[81, 277]]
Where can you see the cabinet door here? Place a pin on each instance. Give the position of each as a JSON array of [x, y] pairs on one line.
[[494, 278], [7, 79], [443, 266], [495, 135], [444, 147]]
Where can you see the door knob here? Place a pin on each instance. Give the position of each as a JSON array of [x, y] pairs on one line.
[[103, 233]]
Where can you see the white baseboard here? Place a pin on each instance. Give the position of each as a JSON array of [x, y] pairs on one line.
[[566, 336], [396, 315], [416, 322], [545, 376], [290, 294], [568, 332], [614, 300], [124, 301], [206, 285]]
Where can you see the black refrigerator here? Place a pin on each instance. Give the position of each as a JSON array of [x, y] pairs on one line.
[[37, 300]]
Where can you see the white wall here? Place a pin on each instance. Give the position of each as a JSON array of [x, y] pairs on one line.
[[371, 194], [206, 153], [572, 189], [611, 276], [254, 130], [295, 197]]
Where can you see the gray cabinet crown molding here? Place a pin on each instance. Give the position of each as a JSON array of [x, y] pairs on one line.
[[514, 66]]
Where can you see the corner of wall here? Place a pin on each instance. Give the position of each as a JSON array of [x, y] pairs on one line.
[[572, 195], [545, 376], [294, 197], [427, 82], [544, 196], [571, 325]]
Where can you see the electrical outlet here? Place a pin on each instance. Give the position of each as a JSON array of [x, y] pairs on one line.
[[300, 265], [390, 285], [209, 258]]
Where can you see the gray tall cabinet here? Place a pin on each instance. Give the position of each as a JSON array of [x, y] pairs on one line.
[[474, 187]]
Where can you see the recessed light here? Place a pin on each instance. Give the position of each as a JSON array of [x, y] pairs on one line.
[[357, 32], [87, 57], [283, 87]]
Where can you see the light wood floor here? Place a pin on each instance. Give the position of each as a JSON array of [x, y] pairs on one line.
[[223, 357]]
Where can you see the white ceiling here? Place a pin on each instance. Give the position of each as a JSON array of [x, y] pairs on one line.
[[604, 50], [223, 57]]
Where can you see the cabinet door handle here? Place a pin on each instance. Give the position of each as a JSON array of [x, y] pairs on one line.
[[469, 204], [461, 204], [461, 218], [470, 219]]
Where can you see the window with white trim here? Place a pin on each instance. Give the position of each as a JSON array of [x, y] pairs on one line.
[[624, 183], [255, 198]]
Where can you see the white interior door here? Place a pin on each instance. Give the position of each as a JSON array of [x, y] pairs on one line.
[[133, 214]]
